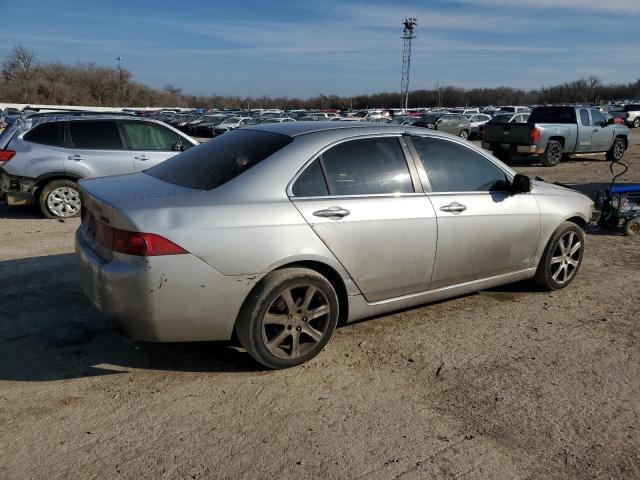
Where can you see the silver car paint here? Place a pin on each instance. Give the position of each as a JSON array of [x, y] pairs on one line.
[[249, 226], [33, 160]]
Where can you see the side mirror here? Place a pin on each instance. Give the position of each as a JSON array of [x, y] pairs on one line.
[[521, 184], [178, 147]]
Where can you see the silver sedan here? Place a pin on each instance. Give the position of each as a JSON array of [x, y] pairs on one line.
[[279, 232]]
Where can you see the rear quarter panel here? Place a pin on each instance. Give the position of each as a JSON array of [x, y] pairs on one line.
[[568, 132], [33, 160]]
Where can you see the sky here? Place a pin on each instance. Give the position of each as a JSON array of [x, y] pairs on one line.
[[302, 48]]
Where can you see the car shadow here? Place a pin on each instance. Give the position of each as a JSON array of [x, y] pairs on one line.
[[534, 160], [20, 212], [49, 331]]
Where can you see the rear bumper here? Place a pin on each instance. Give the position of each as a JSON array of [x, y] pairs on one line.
[[507, 147], [16, 190], [162, 299]]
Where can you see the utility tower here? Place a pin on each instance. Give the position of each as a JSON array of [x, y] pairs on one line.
[[409, 26]]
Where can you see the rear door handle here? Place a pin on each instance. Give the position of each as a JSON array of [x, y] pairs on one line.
[[332, 212], [141, 157], [76, 158], [453, 207]]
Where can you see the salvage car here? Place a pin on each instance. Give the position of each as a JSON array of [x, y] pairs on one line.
[[455, 124], [42, 158], [275, 233], [554, 132]]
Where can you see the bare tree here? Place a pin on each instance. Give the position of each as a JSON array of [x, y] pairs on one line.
[[18, 63]]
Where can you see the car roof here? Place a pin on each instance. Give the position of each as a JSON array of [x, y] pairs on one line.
[[345, 129]]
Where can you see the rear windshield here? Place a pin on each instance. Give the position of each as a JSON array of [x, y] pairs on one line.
[[217, 161], [553, 115]]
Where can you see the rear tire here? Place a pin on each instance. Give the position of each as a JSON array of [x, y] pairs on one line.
[[617, 150], [60, 199], [464, 134], [288, 318], [631, 227], [562, 257], [552, 154]]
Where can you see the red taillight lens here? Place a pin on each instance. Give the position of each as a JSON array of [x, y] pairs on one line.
[[135, 243], [534, 135], [6, 155], [143, 244]]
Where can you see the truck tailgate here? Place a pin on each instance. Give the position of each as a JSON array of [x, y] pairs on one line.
[[511, 133]]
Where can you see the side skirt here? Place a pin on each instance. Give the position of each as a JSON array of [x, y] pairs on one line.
[[359, 308]]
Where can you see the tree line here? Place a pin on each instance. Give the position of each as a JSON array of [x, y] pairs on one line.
[[25, 80]]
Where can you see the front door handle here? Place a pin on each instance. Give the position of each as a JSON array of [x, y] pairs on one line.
[[330, 212], [75, 158], [141, 157], [596, 130], [453, 207]]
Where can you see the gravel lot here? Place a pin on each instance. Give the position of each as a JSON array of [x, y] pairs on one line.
[[507, 383]]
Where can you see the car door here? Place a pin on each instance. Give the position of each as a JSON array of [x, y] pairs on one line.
[[362, 201], [151, 143], [602, 137], [484, 230], [448, 124], [96, 149], [585, 131]]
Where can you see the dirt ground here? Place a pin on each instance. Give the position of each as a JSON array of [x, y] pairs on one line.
[[511, 383]]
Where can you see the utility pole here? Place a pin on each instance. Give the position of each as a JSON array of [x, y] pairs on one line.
[[120, 81], [409, 25]]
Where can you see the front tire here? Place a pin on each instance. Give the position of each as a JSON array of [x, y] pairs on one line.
[[636, 123], [617, 150], [60, 199], [552, 154], [464, 134], [562, 257], [288, 318]]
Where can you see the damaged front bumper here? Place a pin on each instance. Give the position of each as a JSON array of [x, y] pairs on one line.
[[16, 190]]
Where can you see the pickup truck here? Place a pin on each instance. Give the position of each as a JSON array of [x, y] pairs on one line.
[[554, 132]]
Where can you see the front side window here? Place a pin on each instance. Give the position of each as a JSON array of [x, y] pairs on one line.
[[370, 166], [149, 136], [50, 133], [452, 167], [597, 117], [311, 182], [95, 135]]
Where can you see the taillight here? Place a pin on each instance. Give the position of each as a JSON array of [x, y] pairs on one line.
[[534, 135], [6, 155], [136, 243]]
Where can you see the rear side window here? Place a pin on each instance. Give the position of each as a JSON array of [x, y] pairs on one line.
[[584, 117], [553, 115], [95, 135], [150, 136], [50, 133], [217, 161], [370, 166], [311, 182], [452, 167]]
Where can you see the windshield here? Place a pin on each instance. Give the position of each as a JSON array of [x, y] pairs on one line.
[[215, 162], [501, 118], [230, 120]]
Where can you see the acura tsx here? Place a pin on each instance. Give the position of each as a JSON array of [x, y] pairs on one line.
[[276, 233]]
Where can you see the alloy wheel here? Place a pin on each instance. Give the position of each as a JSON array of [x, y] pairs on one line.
[[64, 202], [636, 122], [618, 150], [566, 258], [296, 321], [555, 153]]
